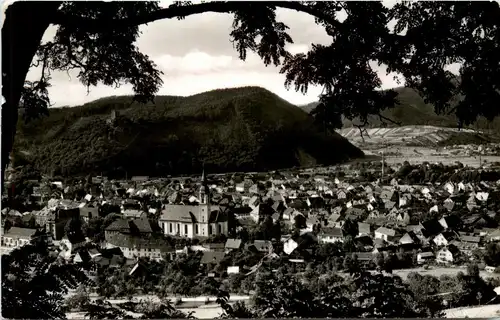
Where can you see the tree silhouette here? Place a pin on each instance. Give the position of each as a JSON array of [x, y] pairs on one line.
[[350, 228], [282, 294], [34, 281], [101, 309], [98, 40], [74, 230], [164, 310]]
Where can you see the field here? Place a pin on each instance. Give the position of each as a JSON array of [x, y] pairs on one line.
[[416, 155], [417, 144], [416, 135]]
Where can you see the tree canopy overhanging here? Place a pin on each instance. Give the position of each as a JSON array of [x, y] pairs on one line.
[[97, 39]]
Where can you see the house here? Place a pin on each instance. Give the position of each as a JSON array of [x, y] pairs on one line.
[[264, 246], [94, 253], [82, 256], [134, 214], [140, 179], [409, 238], [387, 195], [450, 222], [467, 244], [67, 245], [431, 228], [447, 254], [214, 246], [493, 235], [191, 221], [136, 238], [449, 204], [289, 245], [212, 257], [255, 214], [364, 258], [134, 247], [88, 212], [330, 235], [341, 194], [385, 234], [139, 227], [333, 220], [470, 239], [233, 269], [300, 245], [311, 222], [233, 244], [17, 237], [364, 229], [423, 257], [444, 238]]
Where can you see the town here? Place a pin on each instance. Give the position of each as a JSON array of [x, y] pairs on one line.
[[428, 218], [239, 160]]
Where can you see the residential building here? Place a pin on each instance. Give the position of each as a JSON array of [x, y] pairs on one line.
[[136, 238], [423, 257], [330, 235], [448, 254], [385, 234], [444, 238], [17, 237]]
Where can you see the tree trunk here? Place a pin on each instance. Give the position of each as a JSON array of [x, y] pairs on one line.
[[23, 29]]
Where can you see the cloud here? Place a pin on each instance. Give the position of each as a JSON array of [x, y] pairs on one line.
[[197, 72], [196, 55], [198, 63]]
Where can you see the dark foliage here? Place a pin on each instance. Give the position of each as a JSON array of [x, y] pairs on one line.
[[34, 281], [227, 130]]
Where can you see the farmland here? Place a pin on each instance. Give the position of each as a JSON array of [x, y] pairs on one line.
[[407, 135], [417, 144]]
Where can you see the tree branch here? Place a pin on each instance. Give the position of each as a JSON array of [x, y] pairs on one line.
[[96, 25], [384, 119]]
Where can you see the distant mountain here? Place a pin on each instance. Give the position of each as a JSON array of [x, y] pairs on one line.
[[412, 110], [309, 107], [228, 130]]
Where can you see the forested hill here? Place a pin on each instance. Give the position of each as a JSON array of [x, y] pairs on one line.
[[237, 129], [412, 110]]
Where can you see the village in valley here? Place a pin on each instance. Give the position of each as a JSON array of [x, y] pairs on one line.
[[426, 218], [247, 160]]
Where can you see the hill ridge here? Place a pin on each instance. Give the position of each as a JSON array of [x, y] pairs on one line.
[[232, 129], [413, 110]]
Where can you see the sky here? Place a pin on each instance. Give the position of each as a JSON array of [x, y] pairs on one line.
[[196, 55]]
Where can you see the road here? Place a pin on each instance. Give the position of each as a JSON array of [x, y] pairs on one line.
[[434, 271], [197, 305], [490, 311], [199, 313], [437, 272]]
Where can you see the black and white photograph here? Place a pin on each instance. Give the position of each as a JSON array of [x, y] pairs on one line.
[[250, 159]]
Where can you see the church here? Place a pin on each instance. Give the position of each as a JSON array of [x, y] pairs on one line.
[[194, 221]]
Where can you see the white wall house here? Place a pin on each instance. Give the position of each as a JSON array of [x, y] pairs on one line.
[[385, 234]]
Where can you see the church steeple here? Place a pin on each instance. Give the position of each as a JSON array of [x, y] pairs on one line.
[[204, 191]]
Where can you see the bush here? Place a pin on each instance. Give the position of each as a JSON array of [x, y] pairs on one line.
[[78, 301]]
